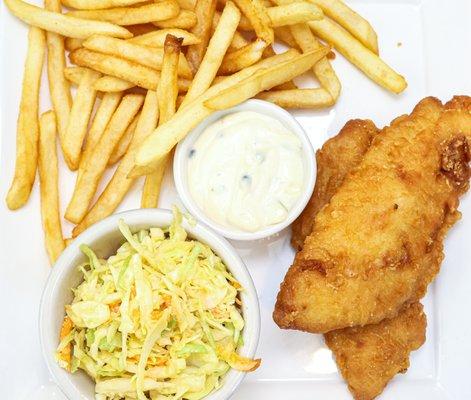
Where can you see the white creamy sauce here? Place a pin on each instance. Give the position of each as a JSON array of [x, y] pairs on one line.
[[246, 171]]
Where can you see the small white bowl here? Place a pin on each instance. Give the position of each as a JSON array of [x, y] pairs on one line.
[[180, 168], [105, 238]]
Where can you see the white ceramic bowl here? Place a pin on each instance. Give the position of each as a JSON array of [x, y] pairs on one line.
[[180, 168], [104, 238]]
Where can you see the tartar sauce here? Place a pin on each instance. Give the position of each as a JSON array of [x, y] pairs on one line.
[[246, 171]]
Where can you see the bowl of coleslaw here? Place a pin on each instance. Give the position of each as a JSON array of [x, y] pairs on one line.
[[148, 304]]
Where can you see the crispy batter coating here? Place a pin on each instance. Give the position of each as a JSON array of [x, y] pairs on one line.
[[337, 157], [378, 242], [370, 356]]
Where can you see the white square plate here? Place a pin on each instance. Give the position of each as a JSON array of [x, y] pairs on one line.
[[429, 42]]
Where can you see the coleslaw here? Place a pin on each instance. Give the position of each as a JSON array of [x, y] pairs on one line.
[[160, 319]]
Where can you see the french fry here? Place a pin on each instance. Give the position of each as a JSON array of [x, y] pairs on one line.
[[59, 87], [122, 146], [140, 29], [119, 184], [298, 98], [283, 34], [72, 44], [105, 111], [80, 113], [157, 38], [112, 84], [86, 186], [217, 48], [242, 58], [185, 20], [204, 10], [257, 14], [238, 40], [98, 4], [293, 13], [63, 24], [351, 21], [187, 4], [147, 56], [323, 69], [28, 125], [160, 11], [269, 52], [48, 182], [167, 93], [165, 137], [264, 79], [364, 59], [129, 71]]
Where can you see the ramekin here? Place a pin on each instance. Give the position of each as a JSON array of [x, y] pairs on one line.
[[105, 238], [180, 168]]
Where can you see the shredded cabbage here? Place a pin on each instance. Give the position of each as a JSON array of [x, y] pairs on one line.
[[160, 319]]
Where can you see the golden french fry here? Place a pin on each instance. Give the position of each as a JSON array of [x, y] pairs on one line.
[[204, 10], [112, 84], [238, 40], [49, 185], [105, 111], [187, 4], [160, 11], [28, 125], [63, 24], [257, 14], [364, 59], [59, 87], [140, 29], [122, 146], [185, 20], [72, 44], [283, 34], [167, 93], [242, 58], [74, 74], [323, 69], [217, 48], [264, 79], [127, 70], [147, 56], [293, 13], [165, 137], [269, 52], [298, 98], [98, 4], [80, 114], [157, 38], [119, 184], [86, 186], [351, 21]]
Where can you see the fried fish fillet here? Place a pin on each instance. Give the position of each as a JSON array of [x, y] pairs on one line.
[[337, 157], [381, 234], [368, 357]]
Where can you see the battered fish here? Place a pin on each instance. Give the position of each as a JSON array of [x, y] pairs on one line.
[[375, 244], [368, 357], [337, 157]]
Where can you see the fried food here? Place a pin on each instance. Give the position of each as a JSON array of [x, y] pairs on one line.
[[337, 157], [369, 357], [379, 241]]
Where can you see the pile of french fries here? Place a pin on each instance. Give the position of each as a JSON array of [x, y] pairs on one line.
[[153, 71]]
